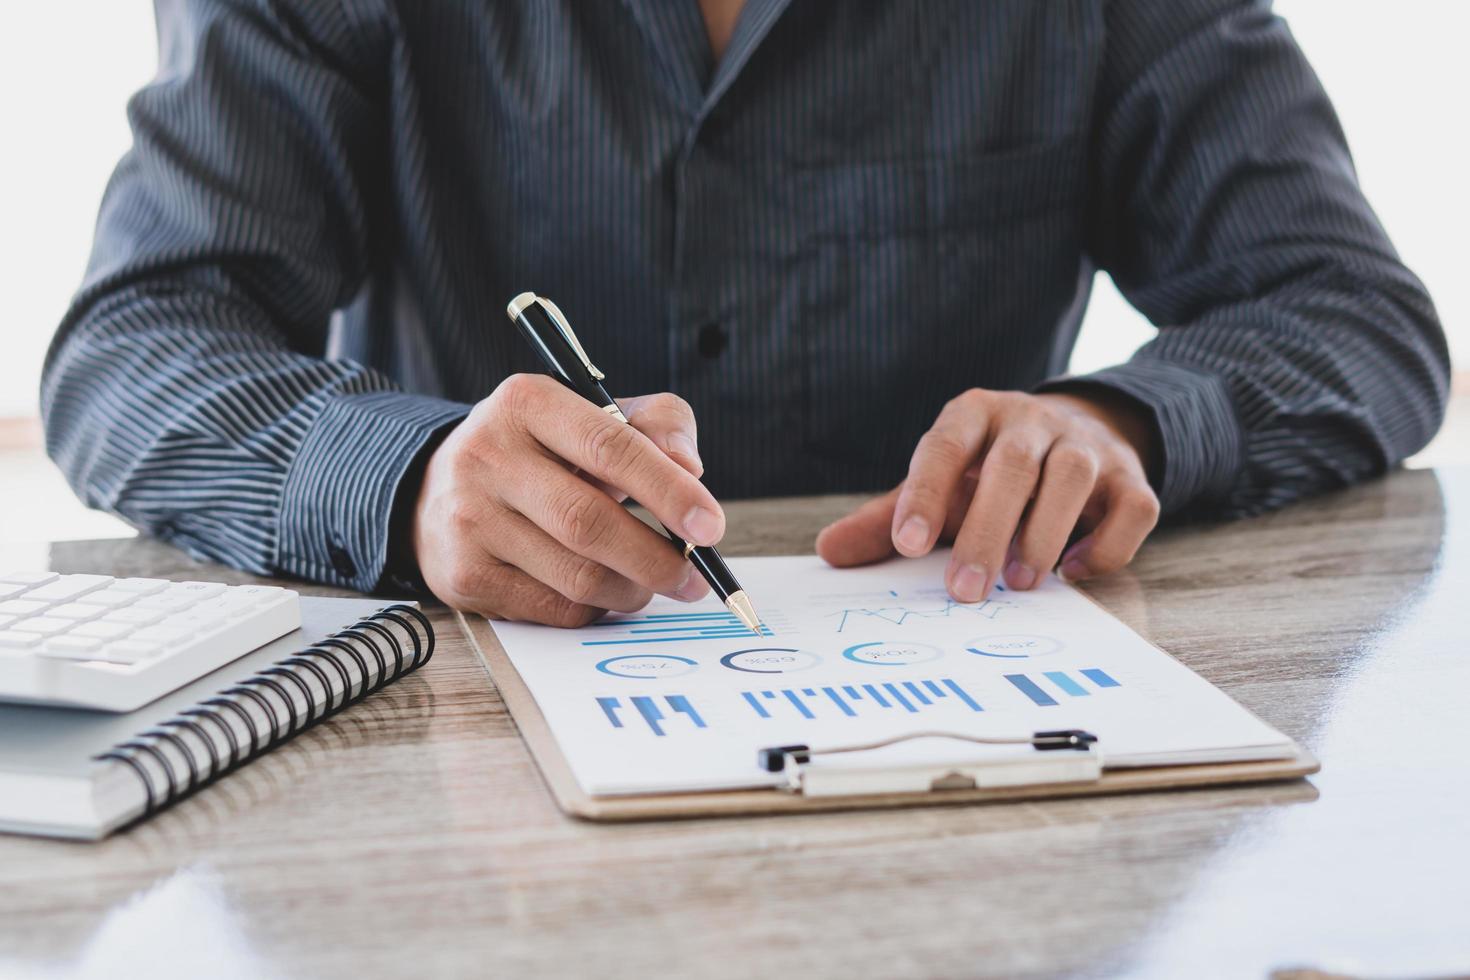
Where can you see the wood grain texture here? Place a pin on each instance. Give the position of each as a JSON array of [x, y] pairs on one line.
[[412, 835]]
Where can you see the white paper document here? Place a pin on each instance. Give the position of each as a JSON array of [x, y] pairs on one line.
[[680, 697]]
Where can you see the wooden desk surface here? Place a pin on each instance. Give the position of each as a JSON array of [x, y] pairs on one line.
[[413, 836]]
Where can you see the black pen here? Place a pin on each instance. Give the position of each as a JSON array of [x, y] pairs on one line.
[[548, 331]]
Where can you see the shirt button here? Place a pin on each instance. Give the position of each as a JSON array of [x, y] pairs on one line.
[[712, 340], [341, 561]]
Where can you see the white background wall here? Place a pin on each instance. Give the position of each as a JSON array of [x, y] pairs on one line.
[[1397, 72]]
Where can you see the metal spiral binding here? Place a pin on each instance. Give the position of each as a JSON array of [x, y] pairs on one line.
[[271, 689]]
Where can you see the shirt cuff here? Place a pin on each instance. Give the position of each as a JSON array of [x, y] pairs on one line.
[[1199, 436], [338, 495]]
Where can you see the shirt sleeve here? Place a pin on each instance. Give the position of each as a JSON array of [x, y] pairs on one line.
[[1295, 352], [188, 389]]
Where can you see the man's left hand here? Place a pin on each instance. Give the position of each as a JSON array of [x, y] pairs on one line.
[[1010, 478]]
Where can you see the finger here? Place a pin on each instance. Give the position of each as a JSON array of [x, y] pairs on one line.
[[1008, 475], [579, 578], [959, 502], [669, 422], [862, 537], [1067, 480], [585, 521], [619, 455], [499, 591], [938, 463], [1132, 511]]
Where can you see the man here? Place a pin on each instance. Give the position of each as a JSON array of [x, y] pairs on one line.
[[856, 237]]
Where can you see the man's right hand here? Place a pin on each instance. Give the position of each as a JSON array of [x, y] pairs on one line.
[[519, 513]]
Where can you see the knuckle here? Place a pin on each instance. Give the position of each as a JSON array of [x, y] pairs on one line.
[[584, 580], [970, 400], [469, 581], [1075, 462], [518, 394], [942, 446], [1016, 456], [1140, 504], [576, 520], [566, 613], [607, 446]]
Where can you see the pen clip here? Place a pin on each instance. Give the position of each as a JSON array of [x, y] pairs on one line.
[[566, 331]]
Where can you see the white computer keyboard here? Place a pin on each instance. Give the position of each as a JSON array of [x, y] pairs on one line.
[[91, 641]]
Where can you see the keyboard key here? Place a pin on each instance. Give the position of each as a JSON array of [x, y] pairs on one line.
[[128, 614], [108, 597], [141, 586], [258, 593], [5, 621], [21, 607], [28, 579], [165, 602], [75, 610], [102, 629], [70, 647], [43, 625], [10, 591], [128, 652], [199, 590], [68, 587], [165, 632], [14, 640]]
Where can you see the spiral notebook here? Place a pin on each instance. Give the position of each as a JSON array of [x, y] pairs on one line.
[[81, 774]]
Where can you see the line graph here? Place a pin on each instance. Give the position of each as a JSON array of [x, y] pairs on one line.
[[897, 615]]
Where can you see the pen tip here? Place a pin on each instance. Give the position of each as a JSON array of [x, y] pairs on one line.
[[739, 604]]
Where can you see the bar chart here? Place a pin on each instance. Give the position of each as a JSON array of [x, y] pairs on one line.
[[669, 628], [647, 709], [1070, 685], [854, 700]]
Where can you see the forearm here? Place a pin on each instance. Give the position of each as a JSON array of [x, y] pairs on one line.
[[1295, 352], [179, 409]]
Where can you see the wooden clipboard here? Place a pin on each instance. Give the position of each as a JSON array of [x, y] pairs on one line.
[[673, 806]]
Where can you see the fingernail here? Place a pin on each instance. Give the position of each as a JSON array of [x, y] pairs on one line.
[[913, 535], [968, 584], [1072, 570], [702, 526], [680, 443], [693, 589], [1020, 576]]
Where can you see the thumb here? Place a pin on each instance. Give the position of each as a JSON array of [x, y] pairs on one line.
[[669, 422], [862, 537]]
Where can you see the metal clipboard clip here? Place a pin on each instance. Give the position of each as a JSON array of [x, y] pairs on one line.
[[1070, 756]]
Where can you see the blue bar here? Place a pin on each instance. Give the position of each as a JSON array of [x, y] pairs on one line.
[[837, 700], [898, 696], [662, 618], [692, 627], [1003, 656], [609, 707], [852, 692], [664, 639], [1061, 680], [1028, 687], [920, 695], [650, 713], [960, 693], [791, 696], [1099, 678], [760, 709], [934, 688], [770, 694], [876, 696], [680, 703], [809, 692]]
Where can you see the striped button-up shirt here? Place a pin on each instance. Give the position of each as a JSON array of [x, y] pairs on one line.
[[861, 210]]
